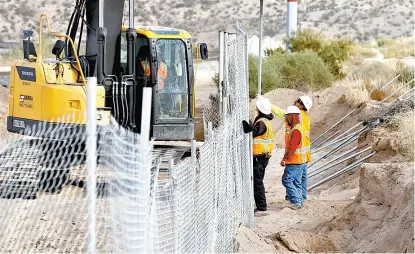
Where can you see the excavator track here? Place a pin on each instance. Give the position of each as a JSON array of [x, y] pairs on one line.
[[18, 170]]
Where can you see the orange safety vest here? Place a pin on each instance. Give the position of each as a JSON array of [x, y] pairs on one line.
[[299, 156], [162, 75], [263, 144], [305, 124], [146, 67]]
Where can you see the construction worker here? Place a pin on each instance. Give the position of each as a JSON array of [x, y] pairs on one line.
[[263, 136], [304, 103], [143, 66], [294, 158], [162, 68]]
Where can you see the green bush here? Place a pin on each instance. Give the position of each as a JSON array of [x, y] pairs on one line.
[[269, 51], [333, 52], [303, 71]]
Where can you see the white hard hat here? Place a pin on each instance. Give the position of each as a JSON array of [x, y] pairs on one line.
[[264, 105], [292, 110], [308, 103]]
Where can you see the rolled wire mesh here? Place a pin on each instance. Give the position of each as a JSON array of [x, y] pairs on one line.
[[126, 170]]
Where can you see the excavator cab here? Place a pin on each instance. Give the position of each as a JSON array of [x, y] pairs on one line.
[[164, 61]]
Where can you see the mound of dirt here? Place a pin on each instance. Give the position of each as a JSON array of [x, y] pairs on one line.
[[301, 242], [381, 217], [385, 143], [250, 242]]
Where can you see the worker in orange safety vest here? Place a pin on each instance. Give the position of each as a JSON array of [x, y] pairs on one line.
[[294, 158]]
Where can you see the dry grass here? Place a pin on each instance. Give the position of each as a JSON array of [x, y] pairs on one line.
[[397, 48], [357, 92], [403, 123], [376, 71], [361, 50]]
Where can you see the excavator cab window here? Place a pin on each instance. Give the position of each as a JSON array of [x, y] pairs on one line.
[[172, 79], [143, 76]]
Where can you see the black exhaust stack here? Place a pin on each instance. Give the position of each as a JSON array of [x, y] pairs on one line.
[[103, 33], [129, 78], [130, 40]]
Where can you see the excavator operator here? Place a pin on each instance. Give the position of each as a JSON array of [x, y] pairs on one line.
[[143, 66], [162, 69]]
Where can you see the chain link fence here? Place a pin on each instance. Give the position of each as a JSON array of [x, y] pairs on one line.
[[196, 208]]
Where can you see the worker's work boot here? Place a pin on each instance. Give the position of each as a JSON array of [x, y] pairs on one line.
[[294, 206]]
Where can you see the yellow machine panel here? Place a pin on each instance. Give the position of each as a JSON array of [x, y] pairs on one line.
[[36, 96]]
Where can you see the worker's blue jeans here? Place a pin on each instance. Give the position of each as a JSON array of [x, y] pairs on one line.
[[291, 179], [304, 182]]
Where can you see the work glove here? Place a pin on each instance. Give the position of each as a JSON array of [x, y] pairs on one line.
[[247, 126]]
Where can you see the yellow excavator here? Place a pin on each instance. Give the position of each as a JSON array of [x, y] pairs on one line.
[[124, 60], [53, 91]]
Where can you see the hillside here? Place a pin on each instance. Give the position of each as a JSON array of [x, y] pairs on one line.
[[359, 19]]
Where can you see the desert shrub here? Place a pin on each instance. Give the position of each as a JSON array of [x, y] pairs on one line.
[[357, 92], [303, 71], [333, 52], [403, 122], [270, 52], [378, 95], [270, 76]]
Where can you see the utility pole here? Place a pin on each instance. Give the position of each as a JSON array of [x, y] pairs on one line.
[[292, 6], [261, 24]]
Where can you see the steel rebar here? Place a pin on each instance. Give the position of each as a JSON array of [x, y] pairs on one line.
[[411, 90], [336, 158], [327, 139], [390, 82], [338, 140], [350, 167], [338, 147], [347, 131], [327, 166], [400, 88], [341, 120]]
